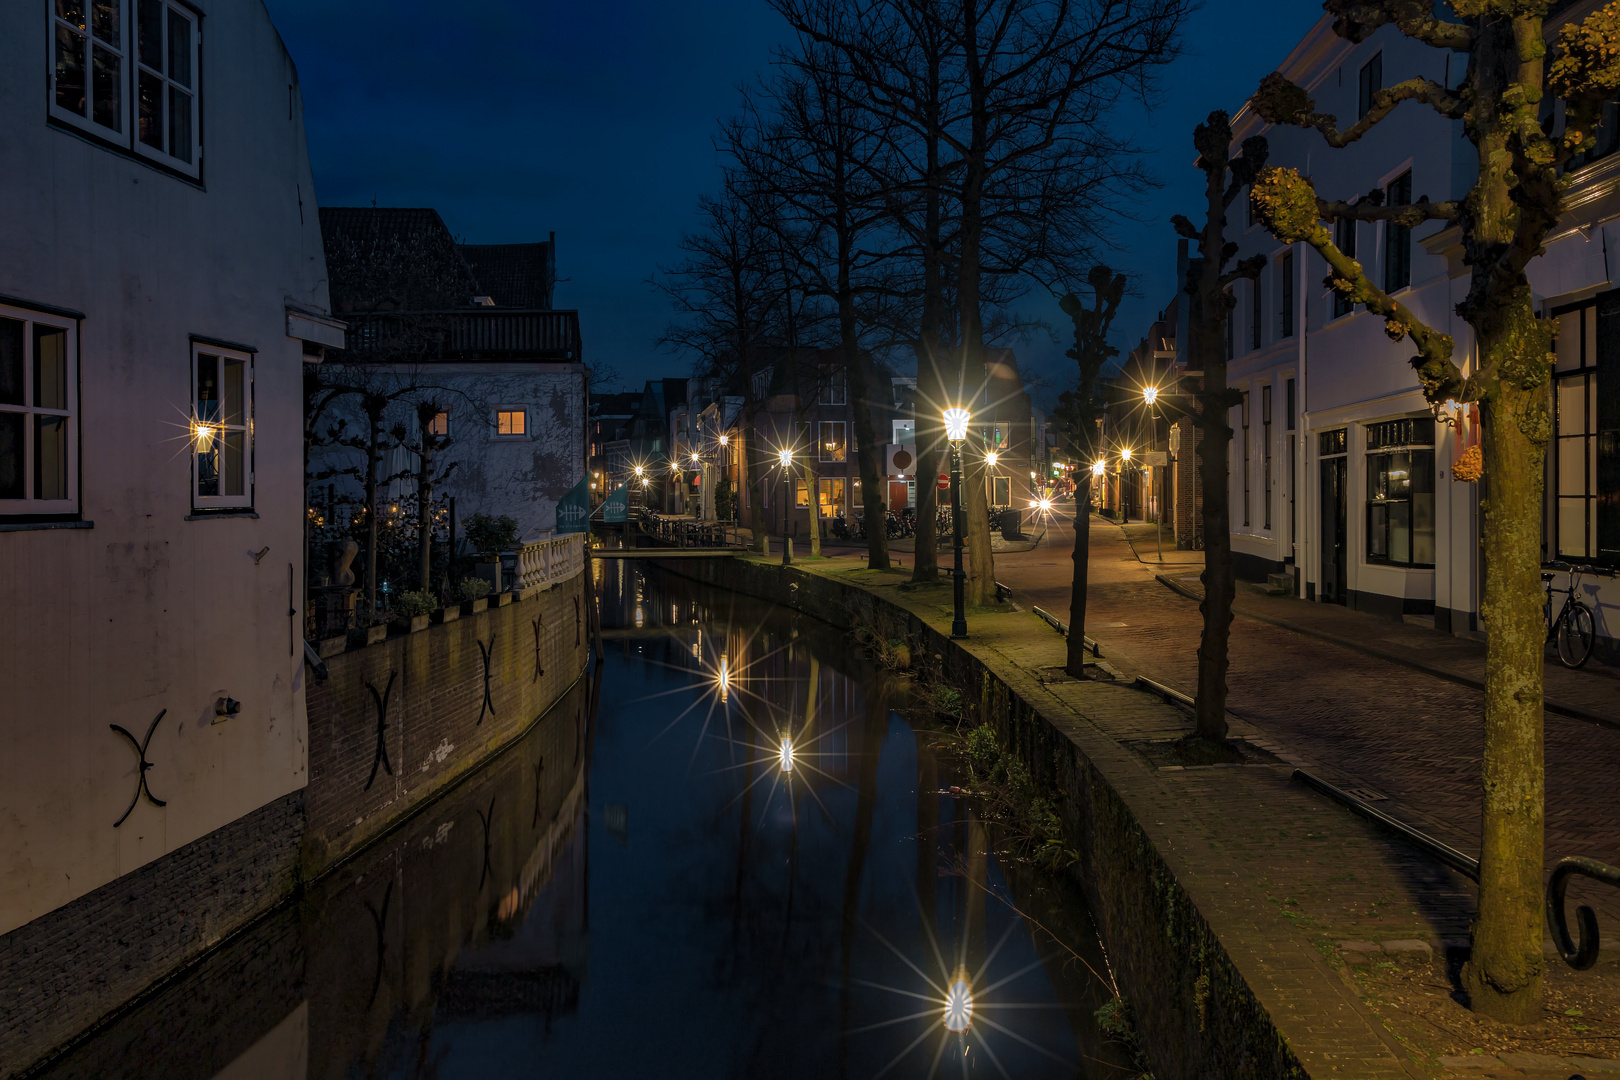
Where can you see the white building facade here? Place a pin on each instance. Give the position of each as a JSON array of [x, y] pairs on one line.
[[1341, 473], [161, 283]]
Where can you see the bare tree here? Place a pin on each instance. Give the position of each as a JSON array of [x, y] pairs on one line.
[[1514, 205], [722, 292], [1078, 412]]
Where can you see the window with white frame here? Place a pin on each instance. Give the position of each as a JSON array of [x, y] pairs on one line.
[[833, 390], [126, 71], [511, 422], [221, 428], [1573, 461], [39, 392]]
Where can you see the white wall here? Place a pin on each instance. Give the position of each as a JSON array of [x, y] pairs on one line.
[[146, 610]]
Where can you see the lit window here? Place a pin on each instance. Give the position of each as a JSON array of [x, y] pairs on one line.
[[511, 422], [440, 424], [126, 71], [39, 448], [222, 429], [833, 445]]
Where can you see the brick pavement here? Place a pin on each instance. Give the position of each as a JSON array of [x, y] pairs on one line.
[[1408, 735]]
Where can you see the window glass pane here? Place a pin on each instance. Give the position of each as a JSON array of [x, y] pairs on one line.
[[801, 493], [233, 467], [11, 362], [104, 21], [11, 455], [69, 70], [149, 99], [833, 445], [180, 124], [149, 33], [1572, 528], [1567, 345], [50, 367], [208, 450], [235, 381], [71, 11], [107, 96], [1400, 532], [179, 48], [207, 387], [1572, 466], [1572, 406], [1378, 531], [50, 457]]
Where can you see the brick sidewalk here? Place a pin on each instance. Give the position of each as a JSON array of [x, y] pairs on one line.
[[1378, 724]]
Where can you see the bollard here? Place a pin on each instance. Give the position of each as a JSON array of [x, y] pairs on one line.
[[787, 550]]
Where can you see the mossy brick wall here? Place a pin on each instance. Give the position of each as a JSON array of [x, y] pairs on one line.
[[1197, 1017], [427, 690]]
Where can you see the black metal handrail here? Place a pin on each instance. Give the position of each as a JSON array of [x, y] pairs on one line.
[[1582, 955]]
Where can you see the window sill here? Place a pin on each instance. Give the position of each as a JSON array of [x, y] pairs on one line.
[[35, 526], [212, 515]]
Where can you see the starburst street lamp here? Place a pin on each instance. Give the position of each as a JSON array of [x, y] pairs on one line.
[[958, 1006], [1150, 394], [956, 423], [785, 457]]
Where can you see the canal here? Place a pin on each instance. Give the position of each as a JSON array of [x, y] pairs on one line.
[[725, 853]]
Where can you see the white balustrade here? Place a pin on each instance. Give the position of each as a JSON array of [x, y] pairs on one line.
[[544, 562]]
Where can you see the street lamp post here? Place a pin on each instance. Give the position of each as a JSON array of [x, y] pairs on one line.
[[1150, 397], [956, 422], [785, 456]]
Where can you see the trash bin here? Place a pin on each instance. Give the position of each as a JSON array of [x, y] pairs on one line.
[[1011, 525]]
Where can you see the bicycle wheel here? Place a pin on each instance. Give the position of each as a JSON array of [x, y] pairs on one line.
[[1575, 635]]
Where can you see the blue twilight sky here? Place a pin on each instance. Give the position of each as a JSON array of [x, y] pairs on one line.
[[596, 119]]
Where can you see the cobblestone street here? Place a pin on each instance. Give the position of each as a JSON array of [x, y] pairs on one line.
[[1404, 734]]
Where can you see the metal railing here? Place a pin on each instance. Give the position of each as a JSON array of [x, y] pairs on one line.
[[685, 532], [543, 562]]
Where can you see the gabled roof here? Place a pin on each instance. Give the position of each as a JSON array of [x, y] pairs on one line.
[[513, 275], [393, 259]]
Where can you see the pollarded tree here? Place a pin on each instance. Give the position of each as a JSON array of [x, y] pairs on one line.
[[1208, 286], [1504, 220]]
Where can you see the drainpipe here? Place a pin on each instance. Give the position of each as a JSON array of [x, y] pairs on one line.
[[1300, 475]]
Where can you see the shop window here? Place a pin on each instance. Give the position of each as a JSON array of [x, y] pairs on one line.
[[1400, 492]]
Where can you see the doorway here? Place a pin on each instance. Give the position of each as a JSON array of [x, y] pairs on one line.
[[1334, 581]]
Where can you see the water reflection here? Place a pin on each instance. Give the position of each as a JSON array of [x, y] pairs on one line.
[[776, 888]]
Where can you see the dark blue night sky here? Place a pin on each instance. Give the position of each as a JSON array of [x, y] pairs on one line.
[[596, 120]]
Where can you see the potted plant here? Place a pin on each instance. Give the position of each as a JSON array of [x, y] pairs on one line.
[[471, 594], [489, 537], [411, 611]]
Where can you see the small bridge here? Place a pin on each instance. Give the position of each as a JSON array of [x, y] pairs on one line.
[[664, 553]]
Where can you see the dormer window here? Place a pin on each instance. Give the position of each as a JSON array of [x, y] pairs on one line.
[[126, 72]]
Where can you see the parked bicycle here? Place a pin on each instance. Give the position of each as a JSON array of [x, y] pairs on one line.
[[1573, 630]]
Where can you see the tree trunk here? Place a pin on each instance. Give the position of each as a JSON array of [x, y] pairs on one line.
[[1220, 583], [866, 454], [756, 504], [812, 487], [981, 577], [1075, 660], [1503, 974], [373, 451], [424, 515]]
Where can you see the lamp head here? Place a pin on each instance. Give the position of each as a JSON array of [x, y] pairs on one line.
[[956, 422], [638, 470], [724, 439], [1150, 394], [785, 456], [1098, 466], [1125, 454], [990, 458]]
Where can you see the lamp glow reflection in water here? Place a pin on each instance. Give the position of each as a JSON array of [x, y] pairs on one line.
[[958, 1006]]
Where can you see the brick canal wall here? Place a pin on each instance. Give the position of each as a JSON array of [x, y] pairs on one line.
[[1195, 1013], [82, 964], [425, 693]]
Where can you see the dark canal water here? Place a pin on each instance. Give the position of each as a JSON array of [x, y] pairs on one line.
[[724, 854]]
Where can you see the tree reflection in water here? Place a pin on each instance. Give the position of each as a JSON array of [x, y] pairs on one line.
[[734, 918]]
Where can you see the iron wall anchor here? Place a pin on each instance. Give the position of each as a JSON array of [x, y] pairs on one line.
[[140, 776]]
